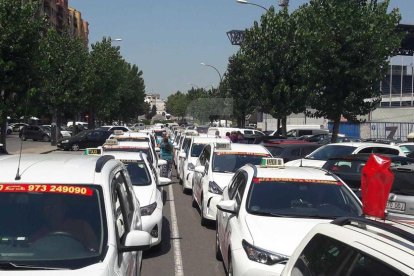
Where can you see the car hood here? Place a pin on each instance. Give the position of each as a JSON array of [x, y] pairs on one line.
[[279, 235], [145, 194], [222, 179], [306, 163]]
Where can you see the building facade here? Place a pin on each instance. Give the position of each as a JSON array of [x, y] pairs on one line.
[[155, 99]]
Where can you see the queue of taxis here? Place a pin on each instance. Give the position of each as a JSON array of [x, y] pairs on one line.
[[92, 214], [213, 170]]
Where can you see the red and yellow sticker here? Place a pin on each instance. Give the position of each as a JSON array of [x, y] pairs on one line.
[[46, 188], [243, 153], [263, 179]]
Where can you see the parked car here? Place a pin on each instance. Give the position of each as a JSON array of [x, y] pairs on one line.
[[354, 246], [291, 151], [34, 132], [64, 132], [349, 167], [400, 205], [85, 139], [18, 126]]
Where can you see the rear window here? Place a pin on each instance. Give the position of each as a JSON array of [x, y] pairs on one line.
[[328, 151], [130, 149], [275, 151], [196, 150], [228, 162], [138, 173]]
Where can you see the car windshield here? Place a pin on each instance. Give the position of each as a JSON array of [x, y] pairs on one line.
[[138, 173], [328, 151], [229, 162], [60, 226], [275, 151], [407, 148], [196, 149], [321, 199]]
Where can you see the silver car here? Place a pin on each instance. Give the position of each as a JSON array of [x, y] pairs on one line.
[[400, 203]]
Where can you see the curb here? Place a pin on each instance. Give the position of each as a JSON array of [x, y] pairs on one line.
[[49, 151]]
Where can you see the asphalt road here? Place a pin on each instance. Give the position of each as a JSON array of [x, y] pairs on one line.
[[196, 243], [13, 144]]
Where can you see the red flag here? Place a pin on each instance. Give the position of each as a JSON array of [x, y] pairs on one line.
[[376, 183]]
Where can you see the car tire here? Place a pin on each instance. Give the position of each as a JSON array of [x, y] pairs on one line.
[[9, 132], [74, 147], [229, 271], [203, 221], [219, 257]]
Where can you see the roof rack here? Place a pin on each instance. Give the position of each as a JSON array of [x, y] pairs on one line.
[[363, 222], [102, 161]]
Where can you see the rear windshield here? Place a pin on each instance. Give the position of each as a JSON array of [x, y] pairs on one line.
[[227, 162], [138, 173], [275, 151], [301, 199], [130, 149], [326, 152], [61, 226], [196, 150]]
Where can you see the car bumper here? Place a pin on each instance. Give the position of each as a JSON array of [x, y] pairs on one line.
[[188, 180], [62, 146], [242, 265], [153, 224], [403, 218], [210, 202]]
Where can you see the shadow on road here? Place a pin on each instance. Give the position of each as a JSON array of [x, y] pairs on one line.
[[165, 246]]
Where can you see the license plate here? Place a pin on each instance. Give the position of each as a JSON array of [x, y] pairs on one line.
[[394, 205]]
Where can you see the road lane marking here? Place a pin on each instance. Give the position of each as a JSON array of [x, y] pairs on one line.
[[175, 238]]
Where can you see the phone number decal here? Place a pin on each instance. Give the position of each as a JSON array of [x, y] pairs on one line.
[[42, 188]]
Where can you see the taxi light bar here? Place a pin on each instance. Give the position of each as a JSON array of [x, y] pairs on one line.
[[93, 151], [272, 163], [222, 146], [118, 132], [111, 142]]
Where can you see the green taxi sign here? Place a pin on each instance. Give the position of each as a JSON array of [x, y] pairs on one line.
[[272, 162], [93, 151]]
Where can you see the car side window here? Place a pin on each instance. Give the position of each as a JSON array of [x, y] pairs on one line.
[[386, 151], [240, 188], [366, 265], [367, 150], [323, 256], [202, 158], [126, 196], [295, 152], [233, 185]]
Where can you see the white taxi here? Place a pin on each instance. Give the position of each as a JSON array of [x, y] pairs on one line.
[[183, 144], [213, 170], [135, 137], [69, 215], [145, 182], [267, 210], [188, 158]]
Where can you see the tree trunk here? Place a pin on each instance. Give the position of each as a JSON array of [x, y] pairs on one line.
[[284, 126], [3, 131], [335, 130]]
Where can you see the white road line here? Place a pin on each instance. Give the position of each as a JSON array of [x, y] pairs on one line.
[[175, 236]]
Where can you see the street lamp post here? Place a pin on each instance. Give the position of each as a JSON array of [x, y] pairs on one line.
[[253, 4], [218, 72]]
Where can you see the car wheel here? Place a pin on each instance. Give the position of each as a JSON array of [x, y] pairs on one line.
[[218, 252], [230, 266], [46, 138], [203, 221], [9, 132], [75, 147]]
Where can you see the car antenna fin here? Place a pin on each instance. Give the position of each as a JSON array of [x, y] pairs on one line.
[[18, 176], [301, 165]]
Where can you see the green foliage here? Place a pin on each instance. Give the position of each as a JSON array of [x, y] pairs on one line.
[[177, 104], [345, 45]]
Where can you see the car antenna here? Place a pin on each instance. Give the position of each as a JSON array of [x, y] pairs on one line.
[[301, 165], [18, 176]]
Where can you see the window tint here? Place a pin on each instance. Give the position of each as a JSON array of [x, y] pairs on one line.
[[138, 173], [368, 266], [386, 151], [328, 151], [295, 152], [234, 184], [196, 149], [240, 188], [367, 150]]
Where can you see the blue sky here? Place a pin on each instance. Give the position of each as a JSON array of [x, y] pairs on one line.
[[168, 39]]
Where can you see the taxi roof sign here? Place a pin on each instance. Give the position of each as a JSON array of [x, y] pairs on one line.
[[118, 132], [222, 146], [111, 142], [272, 163], [93, 151]]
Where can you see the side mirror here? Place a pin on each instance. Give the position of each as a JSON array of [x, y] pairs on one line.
[[162, 162], [157, 149], [228, 206], [163, 181], [136, 240], [199, 169], [176, 147], [182, 155]]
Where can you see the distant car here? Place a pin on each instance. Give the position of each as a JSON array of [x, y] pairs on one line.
[[64, 132], [18, 126], [36, 133], [349, 167], [322, 154], [407, 148], [400, 205], [113, 128], [291, 151], [85, 139]]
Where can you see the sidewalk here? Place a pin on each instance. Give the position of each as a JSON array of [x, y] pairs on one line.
[[44, 148]]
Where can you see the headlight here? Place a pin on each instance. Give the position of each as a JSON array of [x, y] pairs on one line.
[[190, 167], [149, 209], [262, 256], [65, 141], [214, 188]]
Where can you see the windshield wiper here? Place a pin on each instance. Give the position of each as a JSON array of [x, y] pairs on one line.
[[320, 217], [13, 266], [270, 214]]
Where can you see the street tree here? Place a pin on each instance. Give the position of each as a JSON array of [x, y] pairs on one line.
[[177, 104], [345, 46], [20, 33], [63, 68], [271, 60]]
